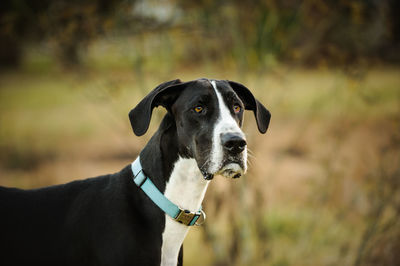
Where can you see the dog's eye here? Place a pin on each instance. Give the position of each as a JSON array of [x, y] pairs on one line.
[[237, 108], [198, 109]]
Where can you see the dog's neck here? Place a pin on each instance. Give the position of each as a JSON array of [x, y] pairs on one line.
[[180, 180], [160, 153], [186, 188]]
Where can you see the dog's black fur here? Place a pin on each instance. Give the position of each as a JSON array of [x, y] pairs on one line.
[[104, 220]]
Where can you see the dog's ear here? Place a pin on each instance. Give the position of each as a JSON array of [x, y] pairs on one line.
[[262, 115], [164, 95]]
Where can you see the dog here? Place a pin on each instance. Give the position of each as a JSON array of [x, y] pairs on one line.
[[125, 218]]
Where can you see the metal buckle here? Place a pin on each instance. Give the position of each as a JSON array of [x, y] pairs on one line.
[[201, 219], [185, 217]]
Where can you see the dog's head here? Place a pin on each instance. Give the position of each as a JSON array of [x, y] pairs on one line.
[[208, 118]]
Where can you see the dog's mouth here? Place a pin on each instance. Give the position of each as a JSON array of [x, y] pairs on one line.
[[207, 176], [229, 170]]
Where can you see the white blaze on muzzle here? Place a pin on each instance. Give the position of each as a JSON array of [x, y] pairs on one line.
[[224, 124]]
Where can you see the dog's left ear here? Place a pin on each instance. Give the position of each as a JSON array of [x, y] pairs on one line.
[[164, 95], [262, 115]]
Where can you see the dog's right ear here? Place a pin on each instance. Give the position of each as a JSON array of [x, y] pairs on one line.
[[164, 95]]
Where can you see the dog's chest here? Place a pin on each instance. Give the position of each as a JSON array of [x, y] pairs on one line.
[[186, 188]]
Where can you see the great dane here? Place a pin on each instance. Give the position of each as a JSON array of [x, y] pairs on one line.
[[140, 215]]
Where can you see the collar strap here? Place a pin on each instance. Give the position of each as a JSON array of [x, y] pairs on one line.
[[182, 216]]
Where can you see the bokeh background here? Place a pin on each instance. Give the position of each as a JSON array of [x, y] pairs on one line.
[[323, 186]]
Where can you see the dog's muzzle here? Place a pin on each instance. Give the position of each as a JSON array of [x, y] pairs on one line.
[[233, 160]]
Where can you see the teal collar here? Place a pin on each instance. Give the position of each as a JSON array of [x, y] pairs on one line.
[[185, 217]]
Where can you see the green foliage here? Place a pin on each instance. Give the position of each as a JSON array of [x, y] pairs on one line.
[[250, 34]]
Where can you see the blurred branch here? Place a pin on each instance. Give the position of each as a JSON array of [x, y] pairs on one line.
[[252, 34]]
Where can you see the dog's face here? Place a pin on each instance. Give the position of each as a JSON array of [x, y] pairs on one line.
[[208, 117]]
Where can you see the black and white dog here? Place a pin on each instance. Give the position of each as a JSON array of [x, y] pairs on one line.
[[114, 220]]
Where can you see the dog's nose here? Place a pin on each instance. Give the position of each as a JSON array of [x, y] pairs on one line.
[[233, 142]]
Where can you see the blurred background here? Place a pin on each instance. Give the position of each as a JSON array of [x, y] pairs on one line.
[[323, 186]]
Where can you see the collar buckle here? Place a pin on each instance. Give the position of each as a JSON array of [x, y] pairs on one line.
[[190, 218], [187, 217]]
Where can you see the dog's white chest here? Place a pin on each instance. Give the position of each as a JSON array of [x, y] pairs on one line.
[[186, 188]]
